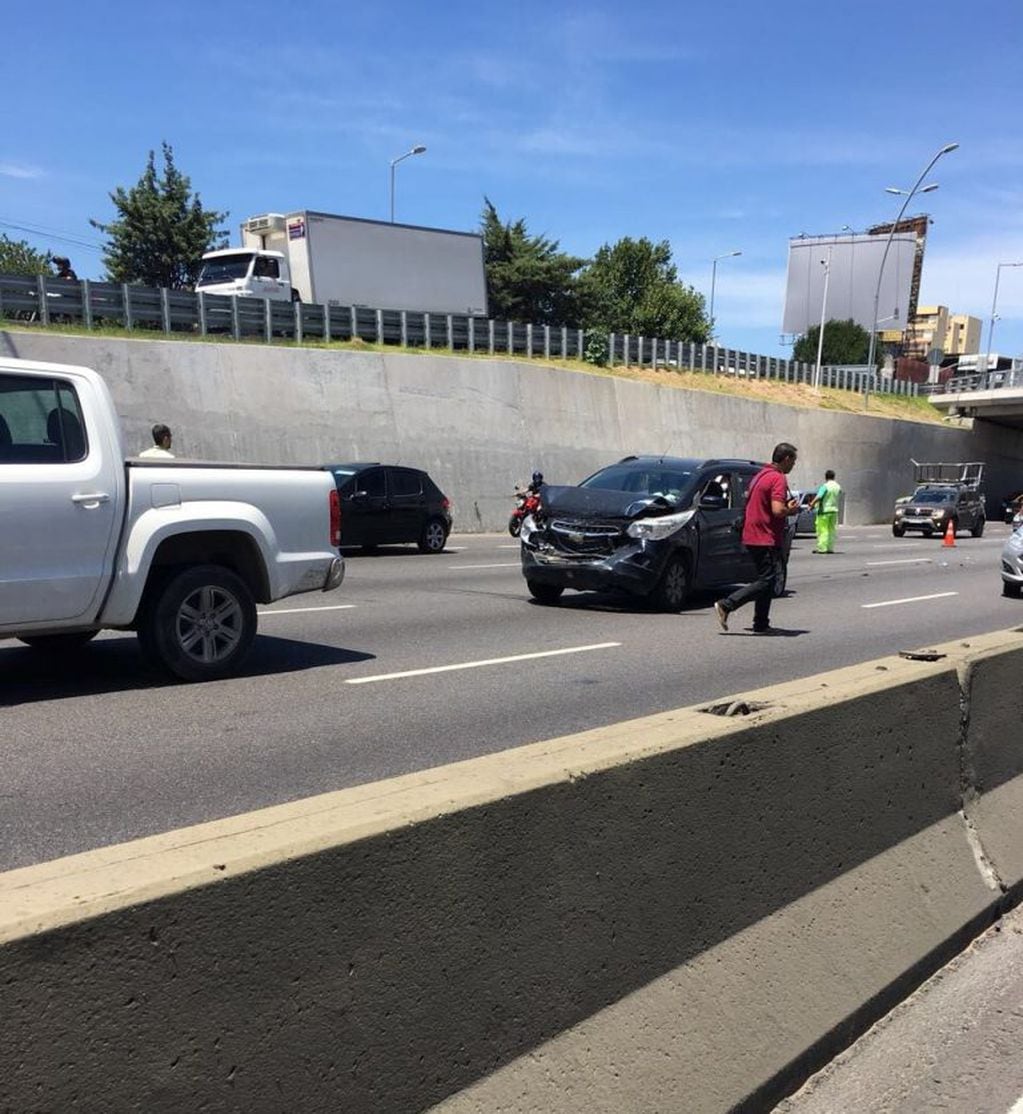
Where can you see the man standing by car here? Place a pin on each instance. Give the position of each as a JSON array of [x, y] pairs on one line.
[[763, 534], [825, 503]]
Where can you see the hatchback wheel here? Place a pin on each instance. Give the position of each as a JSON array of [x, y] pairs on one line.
[[433, 537]]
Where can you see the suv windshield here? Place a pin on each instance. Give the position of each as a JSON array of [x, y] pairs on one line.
[[642, 479], [934, 495], [225, 268]]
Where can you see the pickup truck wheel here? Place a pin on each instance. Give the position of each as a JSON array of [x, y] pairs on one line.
[[433, 537], [673, 588], [199, 624], [59, 643]]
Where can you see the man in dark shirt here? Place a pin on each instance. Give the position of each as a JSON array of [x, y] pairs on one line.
[[768, 504], [63, 265]]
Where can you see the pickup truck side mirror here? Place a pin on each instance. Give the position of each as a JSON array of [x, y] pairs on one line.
[[713, 502]]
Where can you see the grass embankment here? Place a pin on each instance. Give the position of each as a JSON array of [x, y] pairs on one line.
[[764, 390]]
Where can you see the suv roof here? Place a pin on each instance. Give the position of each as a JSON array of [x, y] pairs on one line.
[[691, 462]]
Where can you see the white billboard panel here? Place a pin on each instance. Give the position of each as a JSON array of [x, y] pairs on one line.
[[855, 263]]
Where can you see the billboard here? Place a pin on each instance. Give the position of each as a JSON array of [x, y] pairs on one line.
[[855, 261]]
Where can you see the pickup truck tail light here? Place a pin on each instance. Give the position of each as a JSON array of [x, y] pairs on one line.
[[335, 518], [445, 504]]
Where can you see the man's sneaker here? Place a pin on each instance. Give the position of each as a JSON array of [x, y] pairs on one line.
[[722, 613], [762, 630]]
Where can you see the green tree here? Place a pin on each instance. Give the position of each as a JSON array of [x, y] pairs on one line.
[[528, 277], [845, 342], [161, 230], [18, 258], [633, 287]]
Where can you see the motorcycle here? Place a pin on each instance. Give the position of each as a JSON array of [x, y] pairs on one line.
[[526, 502]]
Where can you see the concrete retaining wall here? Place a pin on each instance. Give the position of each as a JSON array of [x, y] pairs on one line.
[[686, 911], [478, 426]]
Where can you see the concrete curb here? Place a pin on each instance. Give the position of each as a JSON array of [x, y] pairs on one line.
[[686, 909]]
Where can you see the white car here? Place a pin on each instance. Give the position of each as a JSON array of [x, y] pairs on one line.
[[1012, 565]]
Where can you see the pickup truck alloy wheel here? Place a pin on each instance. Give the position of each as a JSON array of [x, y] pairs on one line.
[[200, 624], [433, 536]]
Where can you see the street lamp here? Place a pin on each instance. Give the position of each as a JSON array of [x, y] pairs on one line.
[[994, 305], [713, 282], [417, 150], [826, 264], [929, 188]]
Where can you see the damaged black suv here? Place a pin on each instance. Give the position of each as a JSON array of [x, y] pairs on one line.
[[656, 527]]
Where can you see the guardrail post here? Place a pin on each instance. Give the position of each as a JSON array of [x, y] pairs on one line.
[[529, 341], [450, 331], [353, 318], [86, 303], [490, 335], [427, 338], [268, 320], [610, 350], [202, 313], [44, 306], [326, 322], [298, 322], [380, 326], [580, 342], [236, 325], [625, 349], [639, 351], [653, 353], [470, 324], [546, 342], [404, 329], [165, 308], [510, 325], [129, 321], [564, 342]]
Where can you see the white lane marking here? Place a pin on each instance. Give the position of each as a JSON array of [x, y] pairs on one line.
[[904, 561], [501, 565], [480, 664], [515, 546], [909, 599], [296, 610]]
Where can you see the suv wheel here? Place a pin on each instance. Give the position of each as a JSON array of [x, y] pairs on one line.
[[978, 527], [673, 588], [898, 531], [544, 593], [433, 537]]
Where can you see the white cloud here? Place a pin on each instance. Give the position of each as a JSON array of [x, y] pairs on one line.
[[19, 170]]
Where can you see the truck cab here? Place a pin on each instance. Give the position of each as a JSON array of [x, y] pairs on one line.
[[247, 273]]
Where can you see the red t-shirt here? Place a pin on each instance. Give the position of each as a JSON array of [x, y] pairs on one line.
[[760, 526]]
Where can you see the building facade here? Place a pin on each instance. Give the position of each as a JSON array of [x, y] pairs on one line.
[[963, 335]]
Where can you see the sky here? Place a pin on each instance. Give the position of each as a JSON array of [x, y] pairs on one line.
[[719, 126]]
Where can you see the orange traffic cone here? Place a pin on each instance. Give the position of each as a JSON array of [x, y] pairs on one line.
[[950, 536]]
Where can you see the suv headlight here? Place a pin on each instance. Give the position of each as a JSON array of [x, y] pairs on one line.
[[899, 512], [654, 529]]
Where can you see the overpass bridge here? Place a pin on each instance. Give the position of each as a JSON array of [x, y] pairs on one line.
[[995, 396]]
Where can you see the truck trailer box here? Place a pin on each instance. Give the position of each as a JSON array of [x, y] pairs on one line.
[[346, 261]]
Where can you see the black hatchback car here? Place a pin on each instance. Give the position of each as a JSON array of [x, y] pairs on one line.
[[385, 504], [657, 527]]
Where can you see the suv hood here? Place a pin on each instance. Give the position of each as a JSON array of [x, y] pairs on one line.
[[596, 503]]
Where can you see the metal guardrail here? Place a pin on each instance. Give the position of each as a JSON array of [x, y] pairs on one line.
[[47, 300], [977, 381]]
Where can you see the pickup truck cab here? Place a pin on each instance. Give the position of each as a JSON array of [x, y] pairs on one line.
[[179, 552]]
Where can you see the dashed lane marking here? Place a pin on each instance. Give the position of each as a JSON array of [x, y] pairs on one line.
[[909, 599]]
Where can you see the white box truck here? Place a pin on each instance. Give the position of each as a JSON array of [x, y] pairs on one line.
[[347, 261]]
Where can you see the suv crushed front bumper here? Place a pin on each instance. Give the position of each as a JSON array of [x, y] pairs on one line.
[[635, 568]]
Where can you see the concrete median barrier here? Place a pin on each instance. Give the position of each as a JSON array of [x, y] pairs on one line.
[[687, 911]]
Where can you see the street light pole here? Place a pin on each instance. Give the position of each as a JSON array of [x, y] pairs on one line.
[[947, 149], [994, 306], [417, 150], [713, 283], [826, 263]]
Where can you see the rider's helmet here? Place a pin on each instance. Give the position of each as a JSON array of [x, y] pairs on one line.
[[537, 479]]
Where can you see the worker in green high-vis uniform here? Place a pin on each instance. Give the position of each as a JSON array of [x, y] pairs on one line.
[[825, 504]]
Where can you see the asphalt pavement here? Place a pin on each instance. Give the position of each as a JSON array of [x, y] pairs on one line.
[[422, 660]]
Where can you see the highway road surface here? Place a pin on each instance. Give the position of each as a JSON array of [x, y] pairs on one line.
[[422, 660]]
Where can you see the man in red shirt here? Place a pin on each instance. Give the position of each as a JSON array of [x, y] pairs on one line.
[[763, 534]]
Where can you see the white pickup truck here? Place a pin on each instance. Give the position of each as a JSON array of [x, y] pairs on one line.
[[179, 552]]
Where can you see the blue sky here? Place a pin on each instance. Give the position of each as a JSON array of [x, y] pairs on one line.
[[718, 126]]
